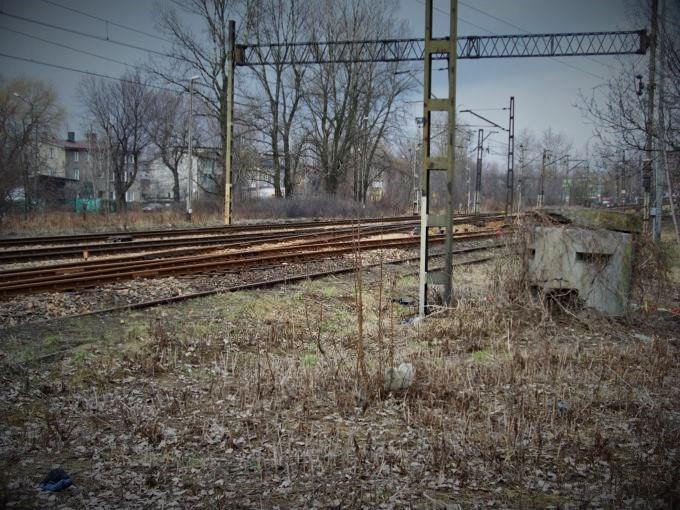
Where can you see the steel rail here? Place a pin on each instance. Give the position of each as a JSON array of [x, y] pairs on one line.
[[213, 242], [198, 243], [293, 242], [166, 233], [170, 232], [202, 264], [261, 284]]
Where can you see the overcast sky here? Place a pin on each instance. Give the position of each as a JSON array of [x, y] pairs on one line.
[[545, 89]]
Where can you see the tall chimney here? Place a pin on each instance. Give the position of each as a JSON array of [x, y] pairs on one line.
[[71, 136]]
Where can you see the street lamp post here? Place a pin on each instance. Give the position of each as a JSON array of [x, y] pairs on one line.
[[191, 152]]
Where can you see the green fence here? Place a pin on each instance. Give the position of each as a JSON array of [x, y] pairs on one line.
[[88, 205]]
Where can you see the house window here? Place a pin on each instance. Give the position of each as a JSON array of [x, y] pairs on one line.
[[88, 157], [129, 196], [76, 173], [76, 156], [51, 152], [51, 171]]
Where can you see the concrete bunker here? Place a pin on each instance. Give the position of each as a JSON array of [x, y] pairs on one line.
[[586, 258]]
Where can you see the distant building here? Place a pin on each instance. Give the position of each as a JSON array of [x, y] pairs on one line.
[[62, 165], [70, 169], [206, 169]]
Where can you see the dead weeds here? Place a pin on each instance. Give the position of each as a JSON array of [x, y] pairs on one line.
[[262, 407]]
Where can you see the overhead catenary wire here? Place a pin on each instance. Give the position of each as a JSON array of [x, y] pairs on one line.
[[84, 71], [101, 75], [66, 46], [104, 20], [85, 52], [490, 32], [511, 24], [86, 34]]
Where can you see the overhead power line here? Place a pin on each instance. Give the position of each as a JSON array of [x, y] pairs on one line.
[[108, 21], [84, 71], [513, 25], [101, 75], [481, 11], [490, 32], [85, 52], [78, 50], [85, 34]]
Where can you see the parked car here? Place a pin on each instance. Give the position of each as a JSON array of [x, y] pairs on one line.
[[154, 207]]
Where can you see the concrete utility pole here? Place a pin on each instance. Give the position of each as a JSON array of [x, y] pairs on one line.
[[190, 184], [230, 122], [660, 160], [416, 194], [649, 127], [510, 184], [478, 178], [435, 46], [468, 174], [520, 183]]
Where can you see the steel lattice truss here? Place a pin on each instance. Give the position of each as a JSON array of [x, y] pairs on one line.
[[469, 47]]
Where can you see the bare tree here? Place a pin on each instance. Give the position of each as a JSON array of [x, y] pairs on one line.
[[279, 22], [351, 105], [618, 110], [122, 110], [558, 146], [199, 35], [168, 128], [28, 113]]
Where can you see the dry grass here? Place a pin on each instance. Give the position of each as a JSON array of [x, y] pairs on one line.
[[205, 213], [54, 223], [253, 400]]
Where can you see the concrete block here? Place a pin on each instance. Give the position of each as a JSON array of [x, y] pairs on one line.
[[597, 218], [595, 263]]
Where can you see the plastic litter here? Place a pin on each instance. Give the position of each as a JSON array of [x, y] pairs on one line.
[[56, 480]]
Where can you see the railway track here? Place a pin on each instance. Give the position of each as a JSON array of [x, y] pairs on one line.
[[92, 274], [193, 245], [465, 251], [131, 236], [214, 242]]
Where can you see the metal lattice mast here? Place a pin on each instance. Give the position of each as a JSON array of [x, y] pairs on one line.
[[510, 180], [446, 163], [478, 175]]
